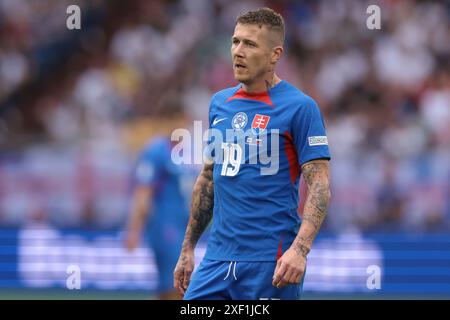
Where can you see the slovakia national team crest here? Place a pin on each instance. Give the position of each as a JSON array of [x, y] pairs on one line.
[[239, 121], [260, 123]]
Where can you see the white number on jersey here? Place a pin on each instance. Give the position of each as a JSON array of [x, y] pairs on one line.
[[232, 156]]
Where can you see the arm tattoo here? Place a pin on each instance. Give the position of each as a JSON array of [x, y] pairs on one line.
[[316, 175], [201, 207], [301, 249]]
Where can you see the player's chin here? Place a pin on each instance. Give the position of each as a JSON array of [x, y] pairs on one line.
[[241, 78]]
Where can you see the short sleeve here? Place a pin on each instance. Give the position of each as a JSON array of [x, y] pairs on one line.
[[308, 130], [146, 169], [211, 111]]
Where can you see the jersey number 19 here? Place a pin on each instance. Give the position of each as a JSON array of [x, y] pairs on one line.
[[232, 156]]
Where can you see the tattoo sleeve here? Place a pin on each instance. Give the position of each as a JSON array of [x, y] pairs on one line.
[[201, 207], [317, 177]]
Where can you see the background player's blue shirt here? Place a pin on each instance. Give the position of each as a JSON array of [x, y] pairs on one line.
[[255, 216], [171, 185]]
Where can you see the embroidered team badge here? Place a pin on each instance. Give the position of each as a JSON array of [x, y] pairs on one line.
[[239, 121], [259, 123]]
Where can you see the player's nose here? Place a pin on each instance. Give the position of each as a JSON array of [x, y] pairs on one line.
[[238, 57], [238, 51]]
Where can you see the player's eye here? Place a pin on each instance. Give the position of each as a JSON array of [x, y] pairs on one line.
[[235, 41]]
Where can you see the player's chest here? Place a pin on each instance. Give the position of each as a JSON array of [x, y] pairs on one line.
[[247, 116]]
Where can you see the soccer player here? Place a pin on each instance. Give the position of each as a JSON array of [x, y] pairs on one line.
[[159, 203], [257, 248]]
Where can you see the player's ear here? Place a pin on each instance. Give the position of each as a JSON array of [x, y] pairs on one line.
[[276, 54]]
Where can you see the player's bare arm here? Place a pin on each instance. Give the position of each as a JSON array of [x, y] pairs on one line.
[[201, 208], [291, 266], [317, 177], [200, 216], [141, 203]]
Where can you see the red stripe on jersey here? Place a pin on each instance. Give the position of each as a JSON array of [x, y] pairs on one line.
[[280, 248], [291, 154], [261, 96]]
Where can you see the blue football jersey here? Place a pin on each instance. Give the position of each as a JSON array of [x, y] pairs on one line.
[[255, 207], [172, 187]]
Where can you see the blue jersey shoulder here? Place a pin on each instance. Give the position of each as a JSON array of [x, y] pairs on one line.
[[156, 143], [156, 147], [295, 98], [222, 95], [155, 152]]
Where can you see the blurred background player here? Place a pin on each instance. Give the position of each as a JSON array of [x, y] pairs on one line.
[[159, 205]]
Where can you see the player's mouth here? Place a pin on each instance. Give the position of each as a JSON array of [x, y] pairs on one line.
[[239, 66]]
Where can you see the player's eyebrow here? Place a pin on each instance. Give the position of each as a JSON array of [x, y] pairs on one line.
[[250, 41], [246, 41]]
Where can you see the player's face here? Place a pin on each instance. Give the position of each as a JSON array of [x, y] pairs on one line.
[[251, 52]]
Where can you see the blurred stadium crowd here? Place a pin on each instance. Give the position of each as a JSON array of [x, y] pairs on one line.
[[76, 105]]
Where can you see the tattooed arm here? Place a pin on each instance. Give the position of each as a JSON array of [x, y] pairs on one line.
[[291, 266], [316, 175], [201, 214]]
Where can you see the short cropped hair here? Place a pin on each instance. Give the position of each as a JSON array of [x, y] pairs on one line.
[[267, 17]]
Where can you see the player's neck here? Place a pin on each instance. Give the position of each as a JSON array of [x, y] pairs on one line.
[[262, 85]]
